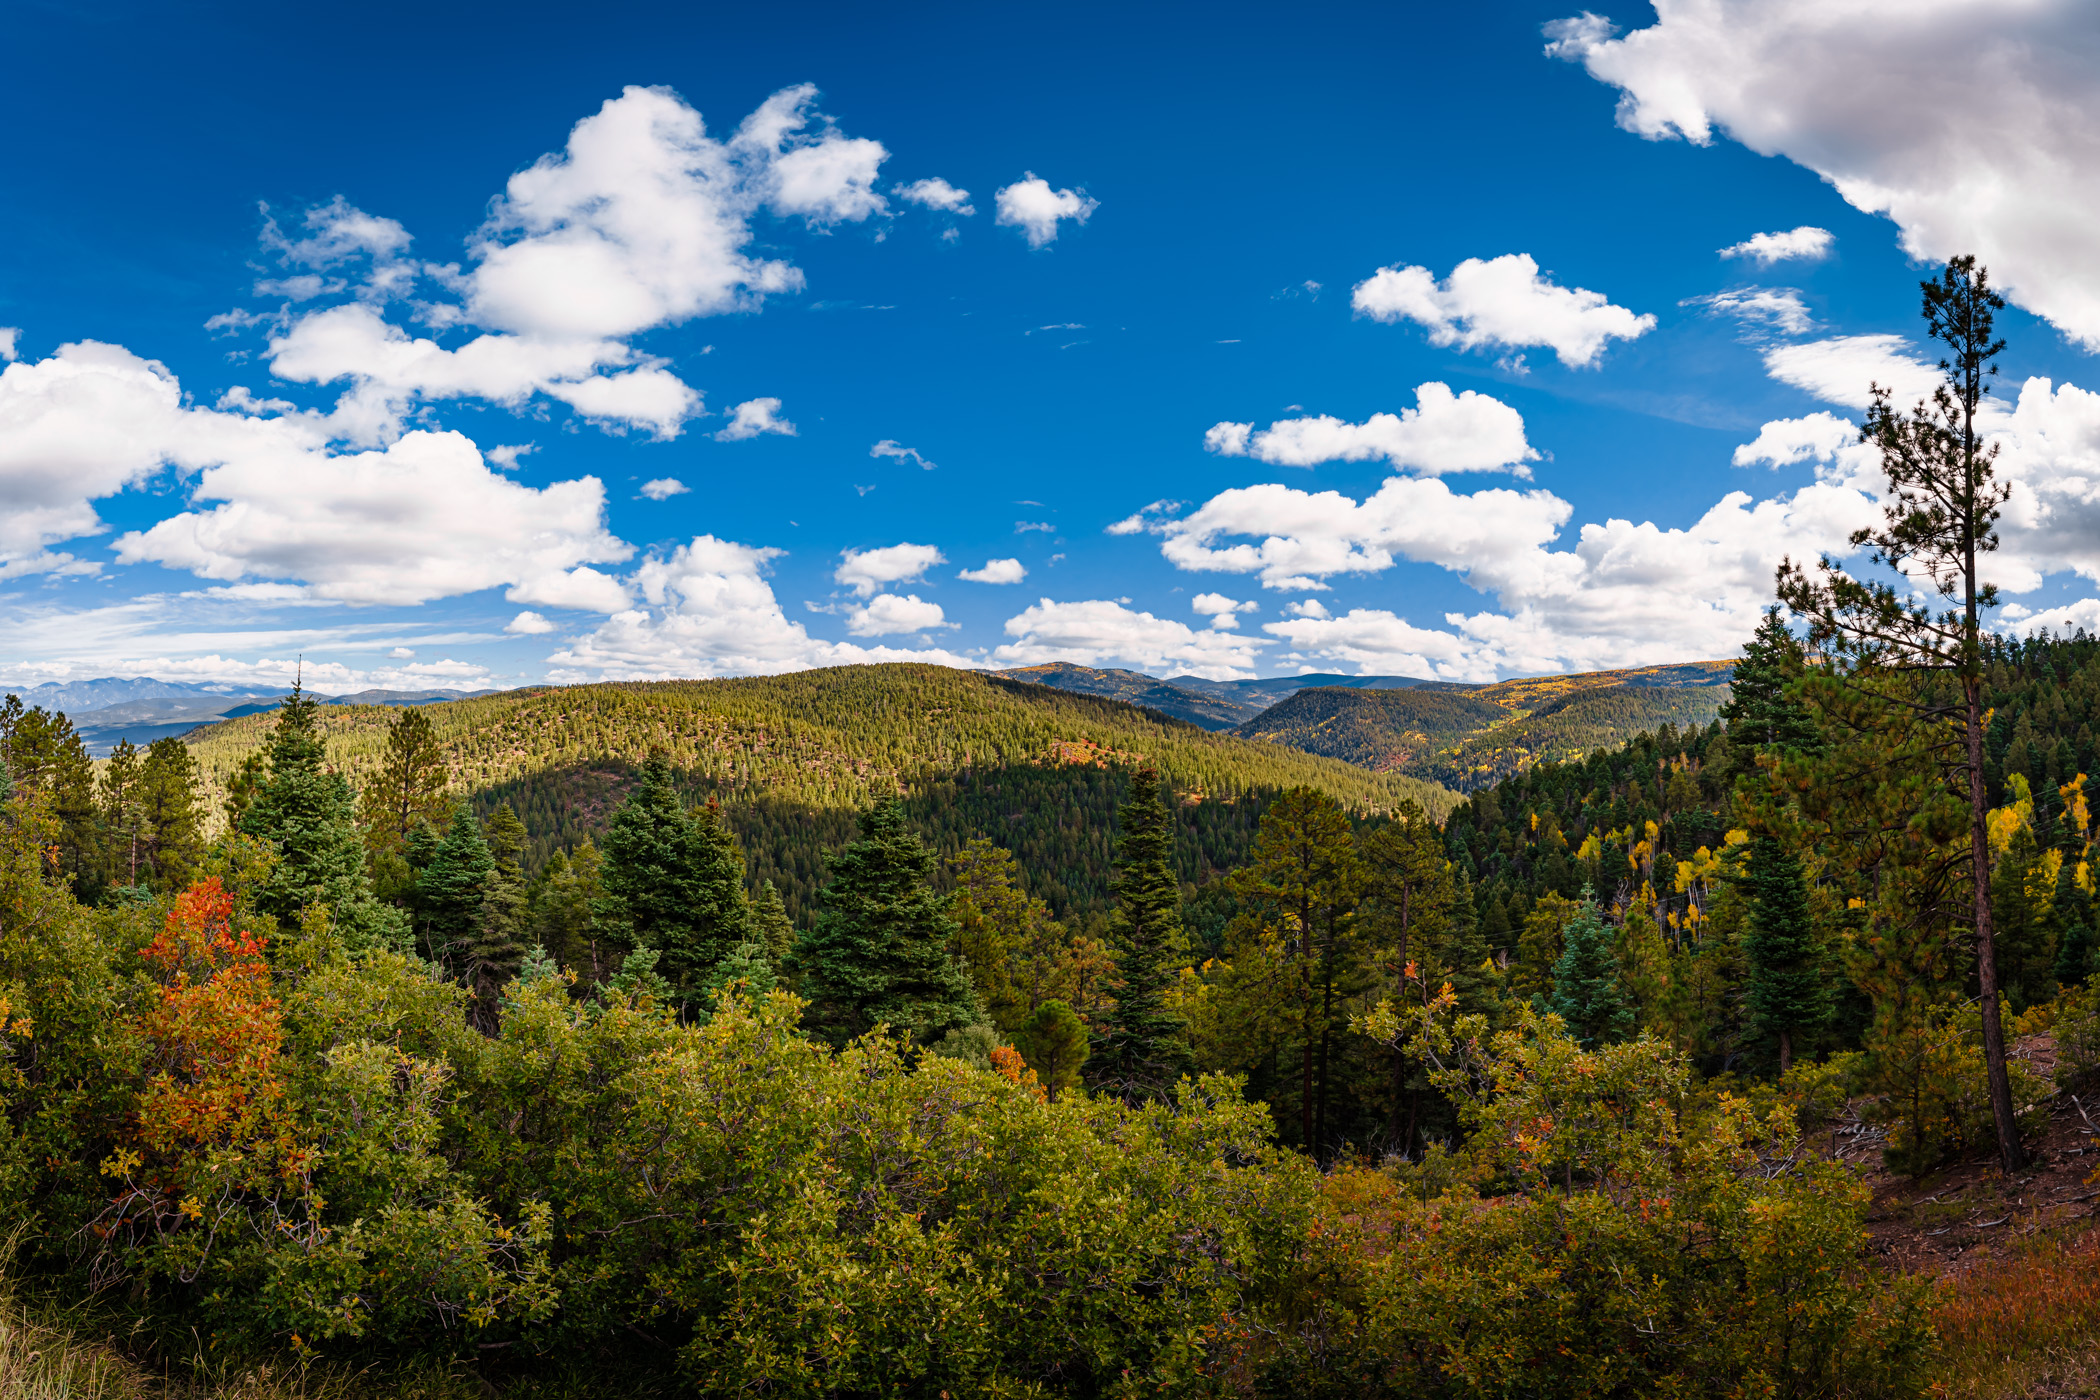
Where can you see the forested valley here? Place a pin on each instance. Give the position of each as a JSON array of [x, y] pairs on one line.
[[1042, 1046]]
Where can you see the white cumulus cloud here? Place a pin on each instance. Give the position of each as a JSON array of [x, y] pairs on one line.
[[1445, 432], [1816, 438], [996, 571], [755, 416], [663, 488], [1221, 610], [1621, 594], [1102, 630], [1805, 244], [642, 220], [867, 571], [424, 518], [528, 624], [936, 193], [707, 610], [890, 614], [1500, 302], [1030, 205], [1973, 124]]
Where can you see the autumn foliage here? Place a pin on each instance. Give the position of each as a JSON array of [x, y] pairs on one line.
[[214, 1032], [210, 1125]]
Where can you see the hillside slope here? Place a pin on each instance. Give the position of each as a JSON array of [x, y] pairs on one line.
[[1470, 739], [1206, 711], [1211, 704], [790, 757]]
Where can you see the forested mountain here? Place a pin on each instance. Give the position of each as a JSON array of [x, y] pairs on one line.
[[1473, 737], [791, 757], [1655, 814], [1212, 704], [1274, 690], [103, 723], [1174, 698]]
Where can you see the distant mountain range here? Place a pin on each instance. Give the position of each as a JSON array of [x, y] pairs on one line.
[[1212, 704], [142, 709], [1464, 736], [1461, 735]]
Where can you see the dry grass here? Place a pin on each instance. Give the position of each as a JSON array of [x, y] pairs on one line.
[[2026, 1325]]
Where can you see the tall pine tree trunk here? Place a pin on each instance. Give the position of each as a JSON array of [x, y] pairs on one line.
[[2003, 1117]]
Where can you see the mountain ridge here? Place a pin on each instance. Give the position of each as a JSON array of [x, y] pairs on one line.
[[1471, 739]]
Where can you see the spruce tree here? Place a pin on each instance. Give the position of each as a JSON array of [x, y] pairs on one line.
[[879, 953], [679, 879], [2075, 940], [449, 893], [637, 978], [495, 949], [1141, 1050], [770, 925], [304, 809], [1586, 990], [746, 970], [1761, 716], [1789, 992]]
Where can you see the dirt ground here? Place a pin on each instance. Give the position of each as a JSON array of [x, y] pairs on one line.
[[1943, 1223]]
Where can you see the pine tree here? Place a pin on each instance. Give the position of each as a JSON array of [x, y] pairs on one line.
[[1300, 942], [1054, 1043], [570, 915], [449, 893], [304, 810], [1789, 991], [880, 951], [1941, 503], [241, 787], [172, 791], [1586, 991], [1408, 881], [409, 786], [991, 913], [127, 832], [1142, 1049], [408, 791], [48, 758], [679, 879]]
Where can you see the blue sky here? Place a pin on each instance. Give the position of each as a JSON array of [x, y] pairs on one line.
[[290, 295]]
